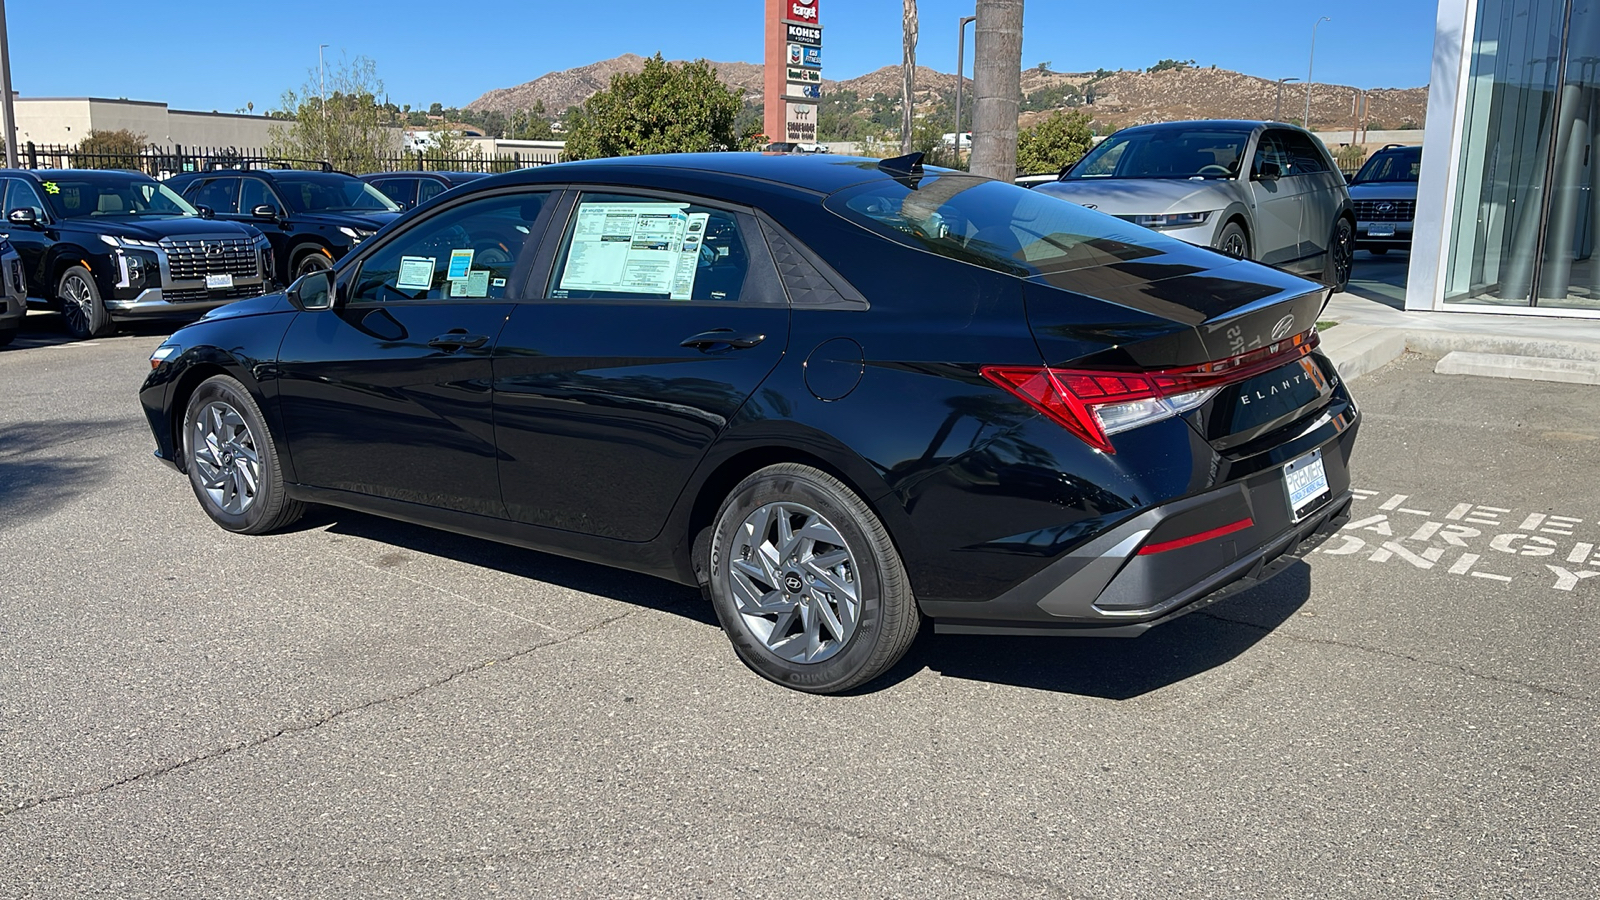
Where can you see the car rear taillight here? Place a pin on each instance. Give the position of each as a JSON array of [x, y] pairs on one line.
[[1097, 404]]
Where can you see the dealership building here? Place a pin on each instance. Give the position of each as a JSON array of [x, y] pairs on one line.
[[1508, 206]]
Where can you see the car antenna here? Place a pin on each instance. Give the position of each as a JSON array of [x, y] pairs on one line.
[[909, 165]]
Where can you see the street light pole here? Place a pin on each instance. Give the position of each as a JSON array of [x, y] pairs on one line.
[[322, 87], [1306, 122], [1277, 108], [6, 108], [961, 68]]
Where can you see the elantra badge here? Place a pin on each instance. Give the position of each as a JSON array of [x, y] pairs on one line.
[[1283, 329]]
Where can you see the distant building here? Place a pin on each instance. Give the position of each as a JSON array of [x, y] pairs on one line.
[[68, 120]]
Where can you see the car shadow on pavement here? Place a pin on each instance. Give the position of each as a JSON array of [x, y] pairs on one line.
[[577, 575], [44, 329], [1116, 668], [36, 476]]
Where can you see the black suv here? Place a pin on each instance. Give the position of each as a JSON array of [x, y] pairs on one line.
[[312, 218], [104, 246], [412, 189]]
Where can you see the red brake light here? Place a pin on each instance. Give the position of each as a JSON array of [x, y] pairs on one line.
[[1082, 401]]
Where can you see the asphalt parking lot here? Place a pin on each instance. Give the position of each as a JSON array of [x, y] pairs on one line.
[[365, 708]]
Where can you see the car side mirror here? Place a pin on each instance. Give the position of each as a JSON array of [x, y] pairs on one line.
[[206, 212], [265, 211], [25, 217], [1269, 171], [313, 291]]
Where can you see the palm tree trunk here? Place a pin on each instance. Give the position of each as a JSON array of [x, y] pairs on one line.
[[997, 86], [908, 75]]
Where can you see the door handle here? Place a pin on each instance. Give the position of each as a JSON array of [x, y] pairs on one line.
[[455, 340], [724, 337]]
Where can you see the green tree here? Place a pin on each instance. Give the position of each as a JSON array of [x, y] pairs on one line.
[[1054, 143], [664, 109], [530, 124], [349, 132], [118, 149], [1168, 64]]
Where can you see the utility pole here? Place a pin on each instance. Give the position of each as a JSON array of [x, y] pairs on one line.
[[961, 77], [6, 108], [1306, 122], [997, 86], [1277, 108]]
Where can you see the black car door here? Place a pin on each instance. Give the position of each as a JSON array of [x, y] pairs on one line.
[[659, 317], [388, 394], [32, 244]]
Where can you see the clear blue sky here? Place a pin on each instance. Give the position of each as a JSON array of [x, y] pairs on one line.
[[221, 55]]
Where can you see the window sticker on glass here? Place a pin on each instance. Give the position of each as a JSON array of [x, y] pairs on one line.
[[416, 273], [498, 282], [632, 248], [460, 264], [478, 283], [689, 257]]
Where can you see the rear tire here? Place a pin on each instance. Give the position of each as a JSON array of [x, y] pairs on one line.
[[82, 310], [1341, 255], [1233, 241], [807, 582], [232, 461]]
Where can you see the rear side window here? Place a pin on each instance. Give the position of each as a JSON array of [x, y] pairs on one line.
[[465, 253], [221, 194], [992, 224], [400, 190], [427, 189], [640, 248]]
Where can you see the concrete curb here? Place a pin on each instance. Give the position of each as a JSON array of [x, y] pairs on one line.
[[1526, 368], [1358, 349]]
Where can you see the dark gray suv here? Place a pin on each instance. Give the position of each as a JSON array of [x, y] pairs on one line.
[[1384, 194], [1258, 190]]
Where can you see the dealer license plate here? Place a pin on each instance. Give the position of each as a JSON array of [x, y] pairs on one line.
[[1380, 229], [218, 282], [1307, 482]]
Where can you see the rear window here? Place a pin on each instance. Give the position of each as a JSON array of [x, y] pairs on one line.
[[992, 224]]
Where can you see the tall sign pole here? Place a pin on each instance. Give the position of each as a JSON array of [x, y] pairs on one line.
[[793, 77], [6, 109]]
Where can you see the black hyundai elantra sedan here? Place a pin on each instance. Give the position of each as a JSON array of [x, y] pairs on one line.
[[840, 395]]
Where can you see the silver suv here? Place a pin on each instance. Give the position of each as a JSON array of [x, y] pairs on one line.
[[1384, 194], [1257, 190]]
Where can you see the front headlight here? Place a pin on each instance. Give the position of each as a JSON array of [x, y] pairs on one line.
[[356, 235], [127, 242], [1172, 220]]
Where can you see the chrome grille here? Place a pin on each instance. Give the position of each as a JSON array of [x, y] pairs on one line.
[[196, 258], [1385, 210], [193, 295]]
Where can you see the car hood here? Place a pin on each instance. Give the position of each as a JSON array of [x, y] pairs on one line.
[[154, 229], [369, 221], [1144, 196], [1384, 190], [252, 306]]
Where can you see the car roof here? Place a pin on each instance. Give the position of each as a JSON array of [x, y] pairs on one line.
[[46, 174], [817, 173], [1234, 124], [442, 176]]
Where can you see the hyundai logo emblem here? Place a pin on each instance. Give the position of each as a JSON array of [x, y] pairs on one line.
[[213, 249], [792, 582], [1283, 328], [1385, 207]]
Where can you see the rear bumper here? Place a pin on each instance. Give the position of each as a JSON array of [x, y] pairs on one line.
[[1107, 587]]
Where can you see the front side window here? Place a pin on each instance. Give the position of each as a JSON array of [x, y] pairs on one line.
[[21, 195], [998, 226], [464, 253], [315, 192], [619, 247], [1271, 150], [400, 190], [1170, 151], [1305, 158], [427, 189], [220, 194], [79, 197], [254, 193]]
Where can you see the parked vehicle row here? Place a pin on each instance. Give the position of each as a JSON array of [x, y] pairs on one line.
[[840, 395]]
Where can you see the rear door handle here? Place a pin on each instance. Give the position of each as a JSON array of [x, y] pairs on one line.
[[723, 337], [455, 340]]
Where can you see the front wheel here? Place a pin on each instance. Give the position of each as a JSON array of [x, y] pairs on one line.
[[1233, 241], [82, 310], [807, 583], [232, 461], [1341, 255], [312, 260]]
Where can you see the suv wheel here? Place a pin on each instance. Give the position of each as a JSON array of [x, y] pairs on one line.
[[309, 260], [81, 308], [807, 583], [232, 462]]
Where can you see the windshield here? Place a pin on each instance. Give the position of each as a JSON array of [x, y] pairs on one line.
[[331, 193], [1391, 165], [993, 224], [1167, 152], [76, 197]]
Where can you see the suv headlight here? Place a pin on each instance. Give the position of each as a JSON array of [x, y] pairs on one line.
[[1171, 220], [127, 242], [356, 235]]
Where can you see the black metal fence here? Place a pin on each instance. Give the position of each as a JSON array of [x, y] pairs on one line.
[[163, 162]]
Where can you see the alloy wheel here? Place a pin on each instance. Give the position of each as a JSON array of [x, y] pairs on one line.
[[1233, 245], [226, 458], [312, 262], [794, 582], [1344, 251], [78, 303]]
